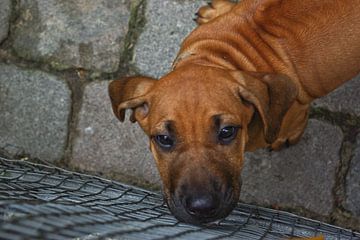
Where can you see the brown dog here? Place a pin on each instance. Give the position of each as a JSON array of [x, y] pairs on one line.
[[242, 80]]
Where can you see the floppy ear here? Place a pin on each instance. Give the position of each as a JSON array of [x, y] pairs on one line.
[[272, 95], [129, 93]]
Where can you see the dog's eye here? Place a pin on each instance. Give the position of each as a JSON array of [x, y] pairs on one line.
[[164, 141], [227, 134]]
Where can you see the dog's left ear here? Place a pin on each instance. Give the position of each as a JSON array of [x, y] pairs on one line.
[[272, 95], [130, 93]]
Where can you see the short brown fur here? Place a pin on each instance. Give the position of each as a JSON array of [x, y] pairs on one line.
[[256, 65]]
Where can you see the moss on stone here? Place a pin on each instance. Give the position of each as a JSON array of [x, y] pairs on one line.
[[136, 26]]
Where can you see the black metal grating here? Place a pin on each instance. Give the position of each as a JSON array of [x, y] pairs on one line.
[[42, 202]]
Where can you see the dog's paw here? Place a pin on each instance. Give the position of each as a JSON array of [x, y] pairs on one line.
[[279, 144], [282, 143], [213, 10]]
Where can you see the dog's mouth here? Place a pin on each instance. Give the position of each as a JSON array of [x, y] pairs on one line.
[[205, 208]]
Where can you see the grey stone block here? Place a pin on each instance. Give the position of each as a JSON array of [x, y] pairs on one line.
[[344, 99], [5, 10], [85, 34], [34, 112], [104, 145], [168, 22], [300, 176], [352, 202]]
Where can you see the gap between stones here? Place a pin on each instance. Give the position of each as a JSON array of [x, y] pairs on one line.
[[350, 126], [136, 26], [13, 17], [77, 84]]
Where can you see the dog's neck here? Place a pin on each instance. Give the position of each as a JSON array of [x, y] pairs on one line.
[[238, 47], [257, 42]]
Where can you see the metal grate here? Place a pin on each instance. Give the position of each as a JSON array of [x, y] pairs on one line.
[[42, 202]]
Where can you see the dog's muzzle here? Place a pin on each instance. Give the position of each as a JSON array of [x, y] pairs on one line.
[[203, 204]]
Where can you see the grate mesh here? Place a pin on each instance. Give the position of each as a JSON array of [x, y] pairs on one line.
[[42, 202]]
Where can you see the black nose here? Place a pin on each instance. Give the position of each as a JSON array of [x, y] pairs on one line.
[[202, 206]]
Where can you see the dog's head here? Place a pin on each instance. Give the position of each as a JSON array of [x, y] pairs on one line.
[[200, 120]]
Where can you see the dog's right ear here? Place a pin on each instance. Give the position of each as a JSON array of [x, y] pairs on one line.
[[130, 93]]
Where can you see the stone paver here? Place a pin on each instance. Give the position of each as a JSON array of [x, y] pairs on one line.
[[85, 34], [344, 99], [300, 176], [34, 112], [352, 202], [168, 22], [108, 146], [5, 10]]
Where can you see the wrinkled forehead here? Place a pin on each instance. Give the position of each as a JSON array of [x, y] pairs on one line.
[[194, 94]]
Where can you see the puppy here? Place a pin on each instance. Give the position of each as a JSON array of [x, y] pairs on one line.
[[243, 80]]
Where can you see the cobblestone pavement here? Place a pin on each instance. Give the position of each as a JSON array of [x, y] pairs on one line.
[[57, 58]]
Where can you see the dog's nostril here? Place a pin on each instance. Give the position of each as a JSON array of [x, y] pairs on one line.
[[202, 206]]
